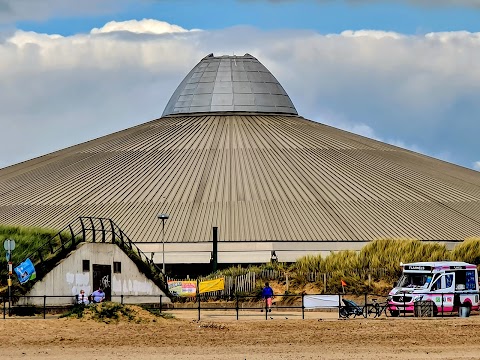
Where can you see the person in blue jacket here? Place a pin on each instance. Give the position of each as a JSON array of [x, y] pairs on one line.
[[267, 294]]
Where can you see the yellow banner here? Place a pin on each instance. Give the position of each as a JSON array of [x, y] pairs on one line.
[[211, 285]]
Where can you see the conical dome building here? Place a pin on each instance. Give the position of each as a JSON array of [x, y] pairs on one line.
[[231, 152]]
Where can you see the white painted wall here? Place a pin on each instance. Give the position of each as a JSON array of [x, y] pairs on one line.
[[68, 278], [250, 252]]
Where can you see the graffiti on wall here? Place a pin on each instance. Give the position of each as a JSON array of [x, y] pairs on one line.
[[104, 282]]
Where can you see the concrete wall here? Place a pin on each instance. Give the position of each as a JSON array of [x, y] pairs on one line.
[[250, 252], [68, 278], [244, 252]]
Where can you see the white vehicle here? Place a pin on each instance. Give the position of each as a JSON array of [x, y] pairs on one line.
[[448, 284]]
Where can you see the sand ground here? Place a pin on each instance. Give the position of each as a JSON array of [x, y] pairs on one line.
[[220, 336]]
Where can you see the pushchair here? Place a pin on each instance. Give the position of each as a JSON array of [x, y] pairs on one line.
[[350, 308]]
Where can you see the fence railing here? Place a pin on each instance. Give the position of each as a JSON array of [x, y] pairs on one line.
[[247, 282], [345, 305], [92, 229]]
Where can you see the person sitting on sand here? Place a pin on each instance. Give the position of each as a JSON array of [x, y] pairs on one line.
[[98, 296], [82, 298]]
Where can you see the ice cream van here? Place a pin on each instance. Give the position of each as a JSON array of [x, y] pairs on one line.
[[448, 284]]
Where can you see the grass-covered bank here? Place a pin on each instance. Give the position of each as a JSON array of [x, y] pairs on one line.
[[27, 240], [374, 268], [39, 244], [46, 247]]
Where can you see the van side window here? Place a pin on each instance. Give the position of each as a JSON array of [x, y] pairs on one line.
[[448, 280], [437, 285], [470, 280]]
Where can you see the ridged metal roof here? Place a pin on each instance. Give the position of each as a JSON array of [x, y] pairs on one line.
[[229, 83], [257, 177]]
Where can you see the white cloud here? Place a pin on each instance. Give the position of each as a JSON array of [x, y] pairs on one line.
[[374, 34], [417, 90], [145, 26], [476, 165], [111, 47]]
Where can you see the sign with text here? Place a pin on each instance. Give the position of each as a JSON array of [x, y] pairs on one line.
[[418, 267], [182, 287], [25, 271]]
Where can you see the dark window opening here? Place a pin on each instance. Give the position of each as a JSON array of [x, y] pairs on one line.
[[86, 265], [117, 267]]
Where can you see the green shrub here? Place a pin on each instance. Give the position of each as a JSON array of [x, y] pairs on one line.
[[110, 310]]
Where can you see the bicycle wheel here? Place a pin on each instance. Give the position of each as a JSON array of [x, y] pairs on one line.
[[370, 309], [382, 308], [343, 313]]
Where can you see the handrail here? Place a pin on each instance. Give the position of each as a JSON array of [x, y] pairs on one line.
[[91, 229]]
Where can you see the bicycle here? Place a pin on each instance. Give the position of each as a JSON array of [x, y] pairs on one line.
[[376, 308]]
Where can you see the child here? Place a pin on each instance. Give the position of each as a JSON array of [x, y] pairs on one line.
[[267, 294]]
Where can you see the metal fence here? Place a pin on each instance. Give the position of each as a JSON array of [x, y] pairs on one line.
[[248, 282], [245, 283], [345, 306]]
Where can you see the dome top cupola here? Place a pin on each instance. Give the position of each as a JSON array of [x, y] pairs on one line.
[[229, 83]]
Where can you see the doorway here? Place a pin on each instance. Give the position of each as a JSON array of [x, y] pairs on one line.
[[102, 277]]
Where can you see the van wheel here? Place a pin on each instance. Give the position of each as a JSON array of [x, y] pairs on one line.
[[394, 313]]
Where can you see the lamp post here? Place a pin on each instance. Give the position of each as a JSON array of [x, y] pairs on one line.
[[163, 217]]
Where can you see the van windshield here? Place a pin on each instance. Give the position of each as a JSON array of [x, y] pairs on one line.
[[414, 280]]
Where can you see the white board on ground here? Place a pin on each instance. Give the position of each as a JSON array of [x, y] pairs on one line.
[[320, 301]]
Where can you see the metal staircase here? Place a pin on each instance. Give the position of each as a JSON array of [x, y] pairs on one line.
[[96, 230]]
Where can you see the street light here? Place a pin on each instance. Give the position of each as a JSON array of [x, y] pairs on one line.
[[163, 217]]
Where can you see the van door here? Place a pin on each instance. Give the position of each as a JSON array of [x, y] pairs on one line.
[[442, 292]]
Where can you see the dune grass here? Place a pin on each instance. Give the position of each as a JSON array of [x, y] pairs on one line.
[[379, 260], [27, 240], [354, 267], [468, 251]]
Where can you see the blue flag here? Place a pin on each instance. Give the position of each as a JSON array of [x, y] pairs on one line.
[[25, 271]]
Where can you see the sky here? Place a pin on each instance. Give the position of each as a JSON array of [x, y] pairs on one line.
[[403, 72]]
